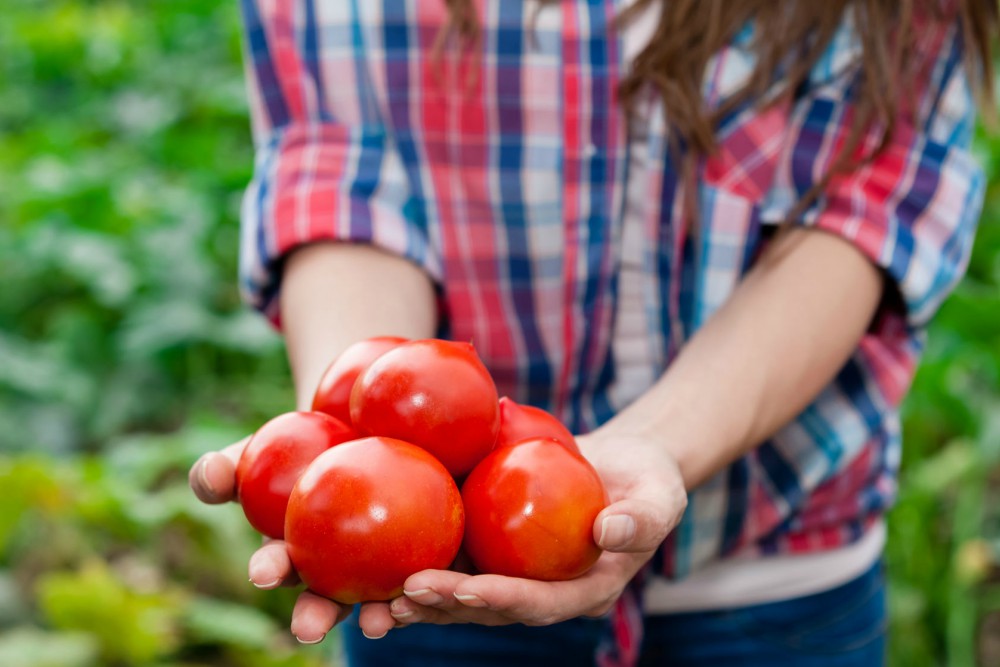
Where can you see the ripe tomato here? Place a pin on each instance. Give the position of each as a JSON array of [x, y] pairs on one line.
[[334, 392], [530, 511], [521, 422], [368, 514], [274, 458], [435, 394]]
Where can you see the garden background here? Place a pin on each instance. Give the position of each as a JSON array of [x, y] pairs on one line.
[[125, 353]]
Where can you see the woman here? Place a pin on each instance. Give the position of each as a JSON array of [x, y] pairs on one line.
[[708, 235]]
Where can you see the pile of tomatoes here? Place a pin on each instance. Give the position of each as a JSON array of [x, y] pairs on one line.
[[364, 488]]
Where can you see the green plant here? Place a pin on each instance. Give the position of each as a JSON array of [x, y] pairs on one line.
[[944, 543], [125, 353]]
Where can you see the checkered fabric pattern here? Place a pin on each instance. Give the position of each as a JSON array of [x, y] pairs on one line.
[[501, 172]]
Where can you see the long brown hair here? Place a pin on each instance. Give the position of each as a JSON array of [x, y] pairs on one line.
[[797, 32]]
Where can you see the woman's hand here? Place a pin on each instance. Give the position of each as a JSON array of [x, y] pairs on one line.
[[213, 480], [323, 311], [647, 500]]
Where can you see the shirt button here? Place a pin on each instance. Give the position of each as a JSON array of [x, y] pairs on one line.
[[590, 151]]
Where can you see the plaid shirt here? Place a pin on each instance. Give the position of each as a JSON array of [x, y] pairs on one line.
[[503, 175]]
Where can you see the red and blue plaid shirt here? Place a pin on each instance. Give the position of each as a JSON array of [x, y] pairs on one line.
[[503, 175]]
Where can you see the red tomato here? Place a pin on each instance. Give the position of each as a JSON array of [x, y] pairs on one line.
[[530, 511], [334, 392], [521, 422], [435, 394], [368, 514], [275, 457]]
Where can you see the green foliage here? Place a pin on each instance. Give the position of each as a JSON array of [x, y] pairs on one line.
[[944, 544], [131, 626], [29, 647], [121, 166], [124, 354], [124, 147], [109, 559]]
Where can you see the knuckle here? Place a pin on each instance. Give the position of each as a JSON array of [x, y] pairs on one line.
[[547, 619], [605, 605], [598, 612]]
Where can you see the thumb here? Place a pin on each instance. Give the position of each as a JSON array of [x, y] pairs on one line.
[[637, 524], [213, 476]]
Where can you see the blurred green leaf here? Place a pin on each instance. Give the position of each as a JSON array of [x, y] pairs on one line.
[[945, 469], [213, 621], [12, 607], [130, 626], [28, 484], [30, 647]]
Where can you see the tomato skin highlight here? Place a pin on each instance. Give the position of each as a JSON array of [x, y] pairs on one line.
[[522, 422], [367, 514], [333, 395], [275, 457], [435, 394], [530, 511]]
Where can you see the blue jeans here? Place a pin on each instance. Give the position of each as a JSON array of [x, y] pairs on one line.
[[843, 627]]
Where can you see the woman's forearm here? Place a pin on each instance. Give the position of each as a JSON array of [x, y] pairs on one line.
[[763, 357], [336, 294], [756, 363]]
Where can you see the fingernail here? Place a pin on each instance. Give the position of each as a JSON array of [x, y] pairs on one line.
[[396, 612], [424, 596], [309, 642], [470, 600], [263, 568], [616, 531], [368, 636], [203, 475]]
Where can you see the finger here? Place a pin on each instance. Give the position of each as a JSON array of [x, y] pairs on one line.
[[522, 600], [213, 479], [429, 597], [213, 476], [639, 523], [546, 602], [235, 450], [314, 616], [449, 611], [433, 588], [529, 602], [271, 567], [375, 620], [407, 612]]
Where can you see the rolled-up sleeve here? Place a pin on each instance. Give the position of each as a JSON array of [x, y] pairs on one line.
[[914, 208], [326, 167]]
